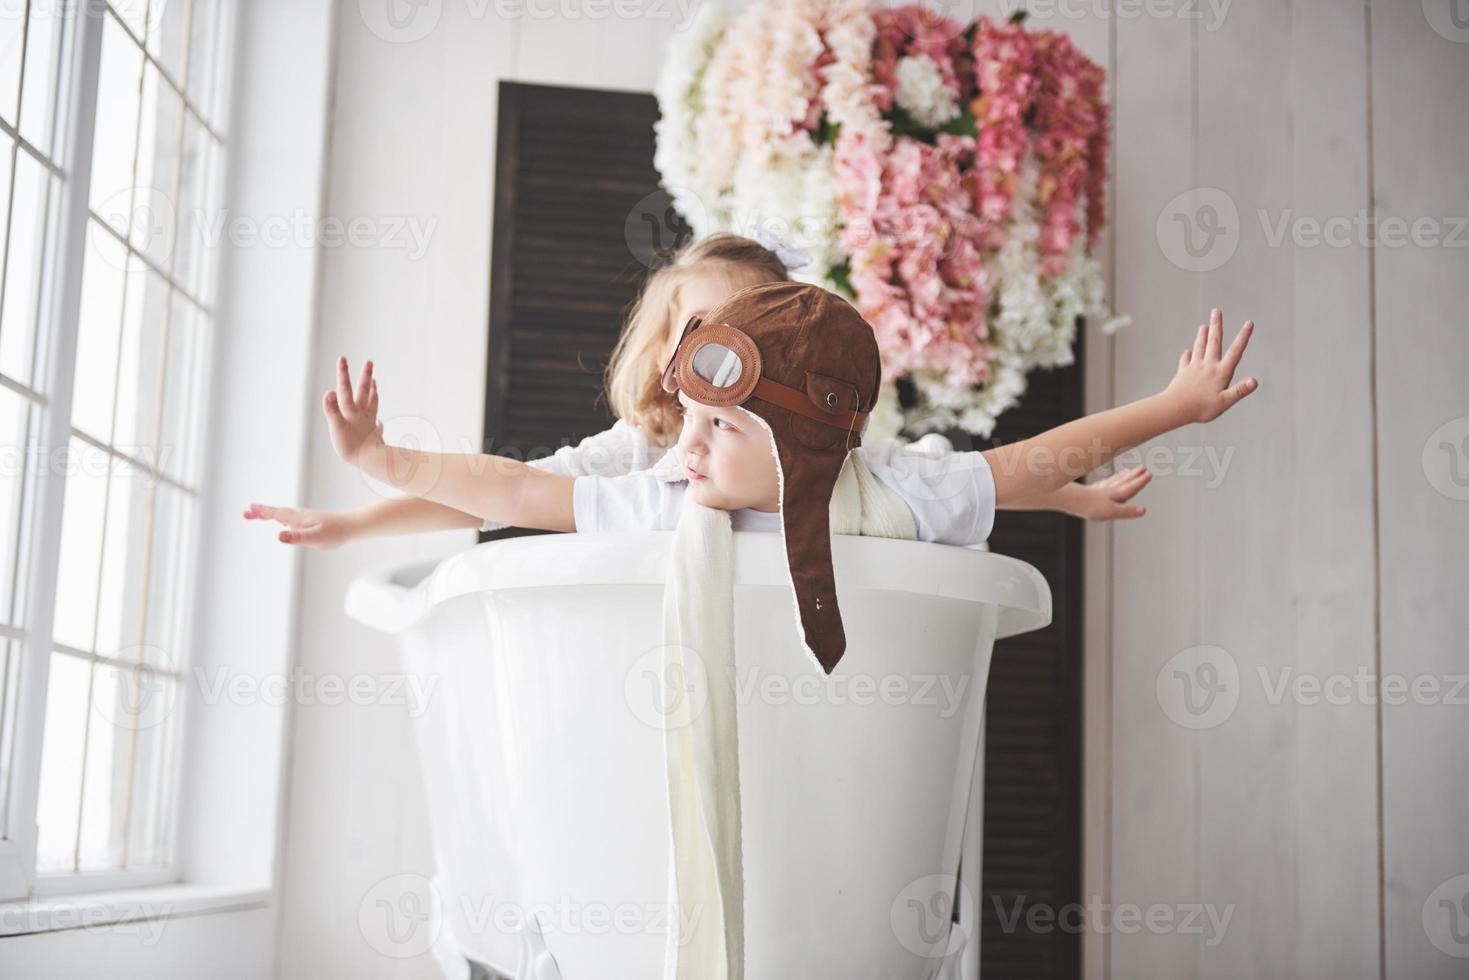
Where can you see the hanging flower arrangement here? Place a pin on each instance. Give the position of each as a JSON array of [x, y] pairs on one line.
[[949, 179]]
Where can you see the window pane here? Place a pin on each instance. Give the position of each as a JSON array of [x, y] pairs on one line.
[[104, 771], [126, 702], [7, 160], [152, 757], [177, 436], [162, 639], [199, 211], [42, 73], [158, 161], [12, 34], [167, 21], [139, 379], [14, 441], [99, 329], [198, 407], [116, 129], [81, 544], [120, 601], [24, 265], [62, 747], [133, 13]]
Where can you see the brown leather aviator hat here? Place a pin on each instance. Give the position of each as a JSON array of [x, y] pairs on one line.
[[804, 361]]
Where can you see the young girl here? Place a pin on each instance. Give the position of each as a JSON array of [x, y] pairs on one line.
[[697, 278]]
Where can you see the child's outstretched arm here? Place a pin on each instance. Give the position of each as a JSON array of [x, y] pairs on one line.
[[1201, 390], [486, 486], [327, 529], [1109, 499]]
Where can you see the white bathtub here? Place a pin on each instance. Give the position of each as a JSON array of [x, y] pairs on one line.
[[543, 758]]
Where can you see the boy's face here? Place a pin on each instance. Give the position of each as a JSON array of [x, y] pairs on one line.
[[728, 456]]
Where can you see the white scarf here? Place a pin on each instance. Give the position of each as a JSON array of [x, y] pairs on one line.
[[701, 749]]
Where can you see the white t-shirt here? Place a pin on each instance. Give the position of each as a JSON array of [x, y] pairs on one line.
[[620, 449], [951, 496]]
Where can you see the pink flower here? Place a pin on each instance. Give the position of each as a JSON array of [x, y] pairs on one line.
[[915, 255], [913, 30], [923, 221], [1005, 72]]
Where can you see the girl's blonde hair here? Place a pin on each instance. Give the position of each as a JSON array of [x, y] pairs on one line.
[[635, 369]]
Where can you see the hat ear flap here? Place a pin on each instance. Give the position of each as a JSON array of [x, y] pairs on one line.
[[808, 481]]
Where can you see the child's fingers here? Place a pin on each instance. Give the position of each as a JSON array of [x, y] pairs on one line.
[[1235, 393], [1201, 341], [1131, 487], [1129, 512], [344, 389], [372, 398], [364, 385], [1135, 478], [1122, 477], [1216, 334], [1188, 355], [331, 408], [1237, 347]]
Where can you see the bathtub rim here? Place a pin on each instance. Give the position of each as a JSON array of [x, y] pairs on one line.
[[393, 597]]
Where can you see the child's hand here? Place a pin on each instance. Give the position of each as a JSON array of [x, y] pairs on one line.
[[323, 529], [1201, 389], [1107, 500], [352, 415]]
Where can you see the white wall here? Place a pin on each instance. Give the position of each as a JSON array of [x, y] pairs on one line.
[[1322, 545], [1327, 546], [412, 133]]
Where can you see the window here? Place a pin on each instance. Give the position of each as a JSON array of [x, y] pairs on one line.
[[106, 328]]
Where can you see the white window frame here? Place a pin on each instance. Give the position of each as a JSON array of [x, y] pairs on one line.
[[45, 487]]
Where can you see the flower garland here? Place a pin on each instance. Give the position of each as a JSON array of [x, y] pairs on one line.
[[948, 179]]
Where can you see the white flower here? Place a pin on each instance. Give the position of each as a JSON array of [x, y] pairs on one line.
[[679, 90], [921, 92], [885, 420]]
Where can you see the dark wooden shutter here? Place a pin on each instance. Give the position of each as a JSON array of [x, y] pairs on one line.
[[578, 215], [1032, 766]]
